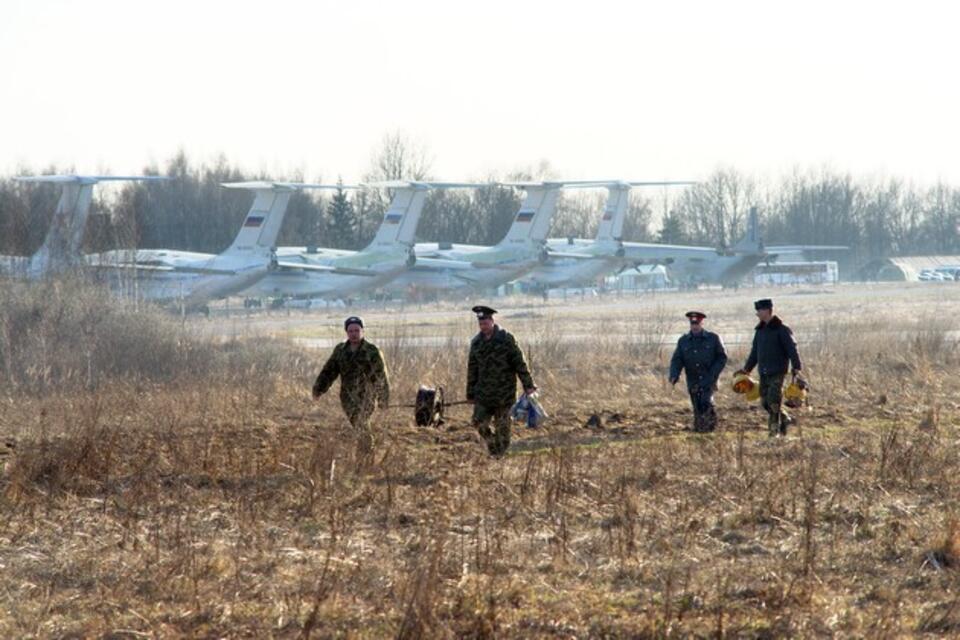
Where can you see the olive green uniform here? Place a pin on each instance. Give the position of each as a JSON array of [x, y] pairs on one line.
[[493, 367], [364, 383]]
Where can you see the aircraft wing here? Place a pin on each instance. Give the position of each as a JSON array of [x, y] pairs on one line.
[[512, 266], [255, 185], [574, 256], [344, 271], [441, 264], [85, 179], [432, 255], [793, 248], [163, 268]]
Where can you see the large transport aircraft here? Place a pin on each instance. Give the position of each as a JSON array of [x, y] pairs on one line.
[[692, 265], [573, 263], [192, 279], [467, 267], [62, 247], [388, 255]]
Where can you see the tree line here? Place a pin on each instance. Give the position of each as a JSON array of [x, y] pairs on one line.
[[874, 217]]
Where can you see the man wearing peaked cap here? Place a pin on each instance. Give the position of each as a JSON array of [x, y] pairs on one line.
[[483, 312], [364, 383], [493, 366], [774, 351], [701, 354]]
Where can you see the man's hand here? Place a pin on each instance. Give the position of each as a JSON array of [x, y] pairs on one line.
[[317, 394], [674, 381], [530, 391]]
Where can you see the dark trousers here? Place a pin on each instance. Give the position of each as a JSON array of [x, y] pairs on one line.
[[704, 410]]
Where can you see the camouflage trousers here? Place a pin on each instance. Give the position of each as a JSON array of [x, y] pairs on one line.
[[498, 438], [771, 394], [704, 410], [359, 418]]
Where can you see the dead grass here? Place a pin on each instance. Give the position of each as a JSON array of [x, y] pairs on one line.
[[215, 504]]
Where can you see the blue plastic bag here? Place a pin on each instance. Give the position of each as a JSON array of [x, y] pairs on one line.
[[528, 410]]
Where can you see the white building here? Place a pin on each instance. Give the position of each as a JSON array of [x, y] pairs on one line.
[[822, 272], [643, 277]]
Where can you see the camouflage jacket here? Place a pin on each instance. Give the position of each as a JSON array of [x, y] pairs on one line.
[[702, 356], [363, 376], [493, 368], [774, 349]]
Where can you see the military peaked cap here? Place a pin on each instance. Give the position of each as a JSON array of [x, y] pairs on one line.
[[483, 311]]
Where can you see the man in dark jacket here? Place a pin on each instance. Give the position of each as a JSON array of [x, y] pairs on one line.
[[364, 382], [494, 364], [700, 353], [774, 351]]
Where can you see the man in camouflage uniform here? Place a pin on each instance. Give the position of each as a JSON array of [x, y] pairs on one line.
[[700, 353], [494, 364], [364, 382], [774, 350]]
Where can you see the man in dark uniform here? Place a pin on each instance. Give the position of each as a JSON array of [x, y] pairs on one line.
[[774, 350], [494, 364], [364, 382], [701, 354]]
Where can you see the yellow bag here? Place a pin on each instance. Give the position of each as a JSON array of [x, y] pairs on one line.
[[795, 394], [744, 384]]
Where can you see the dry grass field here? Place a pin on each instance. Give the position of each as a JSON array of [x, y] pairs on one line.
[[167, 479]]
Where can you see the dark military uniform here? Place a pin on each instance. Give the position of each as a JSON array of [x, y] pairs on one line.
[[702, 356], [364, 383], [774, 350], [493, 367]]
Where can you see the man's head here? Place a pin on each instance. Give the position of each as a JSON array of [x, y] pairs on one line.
[[354, 328], [485, 318], [764, 308], [696, 319]]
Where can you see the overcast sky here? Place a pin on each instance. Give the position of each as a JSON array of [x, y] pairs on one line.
[[631, 90]]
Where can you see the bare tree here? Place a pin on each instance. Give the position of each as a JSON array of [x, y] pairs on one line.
[[716, 209], [397, 158]]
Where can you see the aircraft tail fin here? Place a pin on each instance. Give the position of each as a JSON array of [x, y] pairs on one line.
[[751, 242], [614, 213], [532, 222], [61, 247], [399, 225], [618, 202], [261, 226]]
